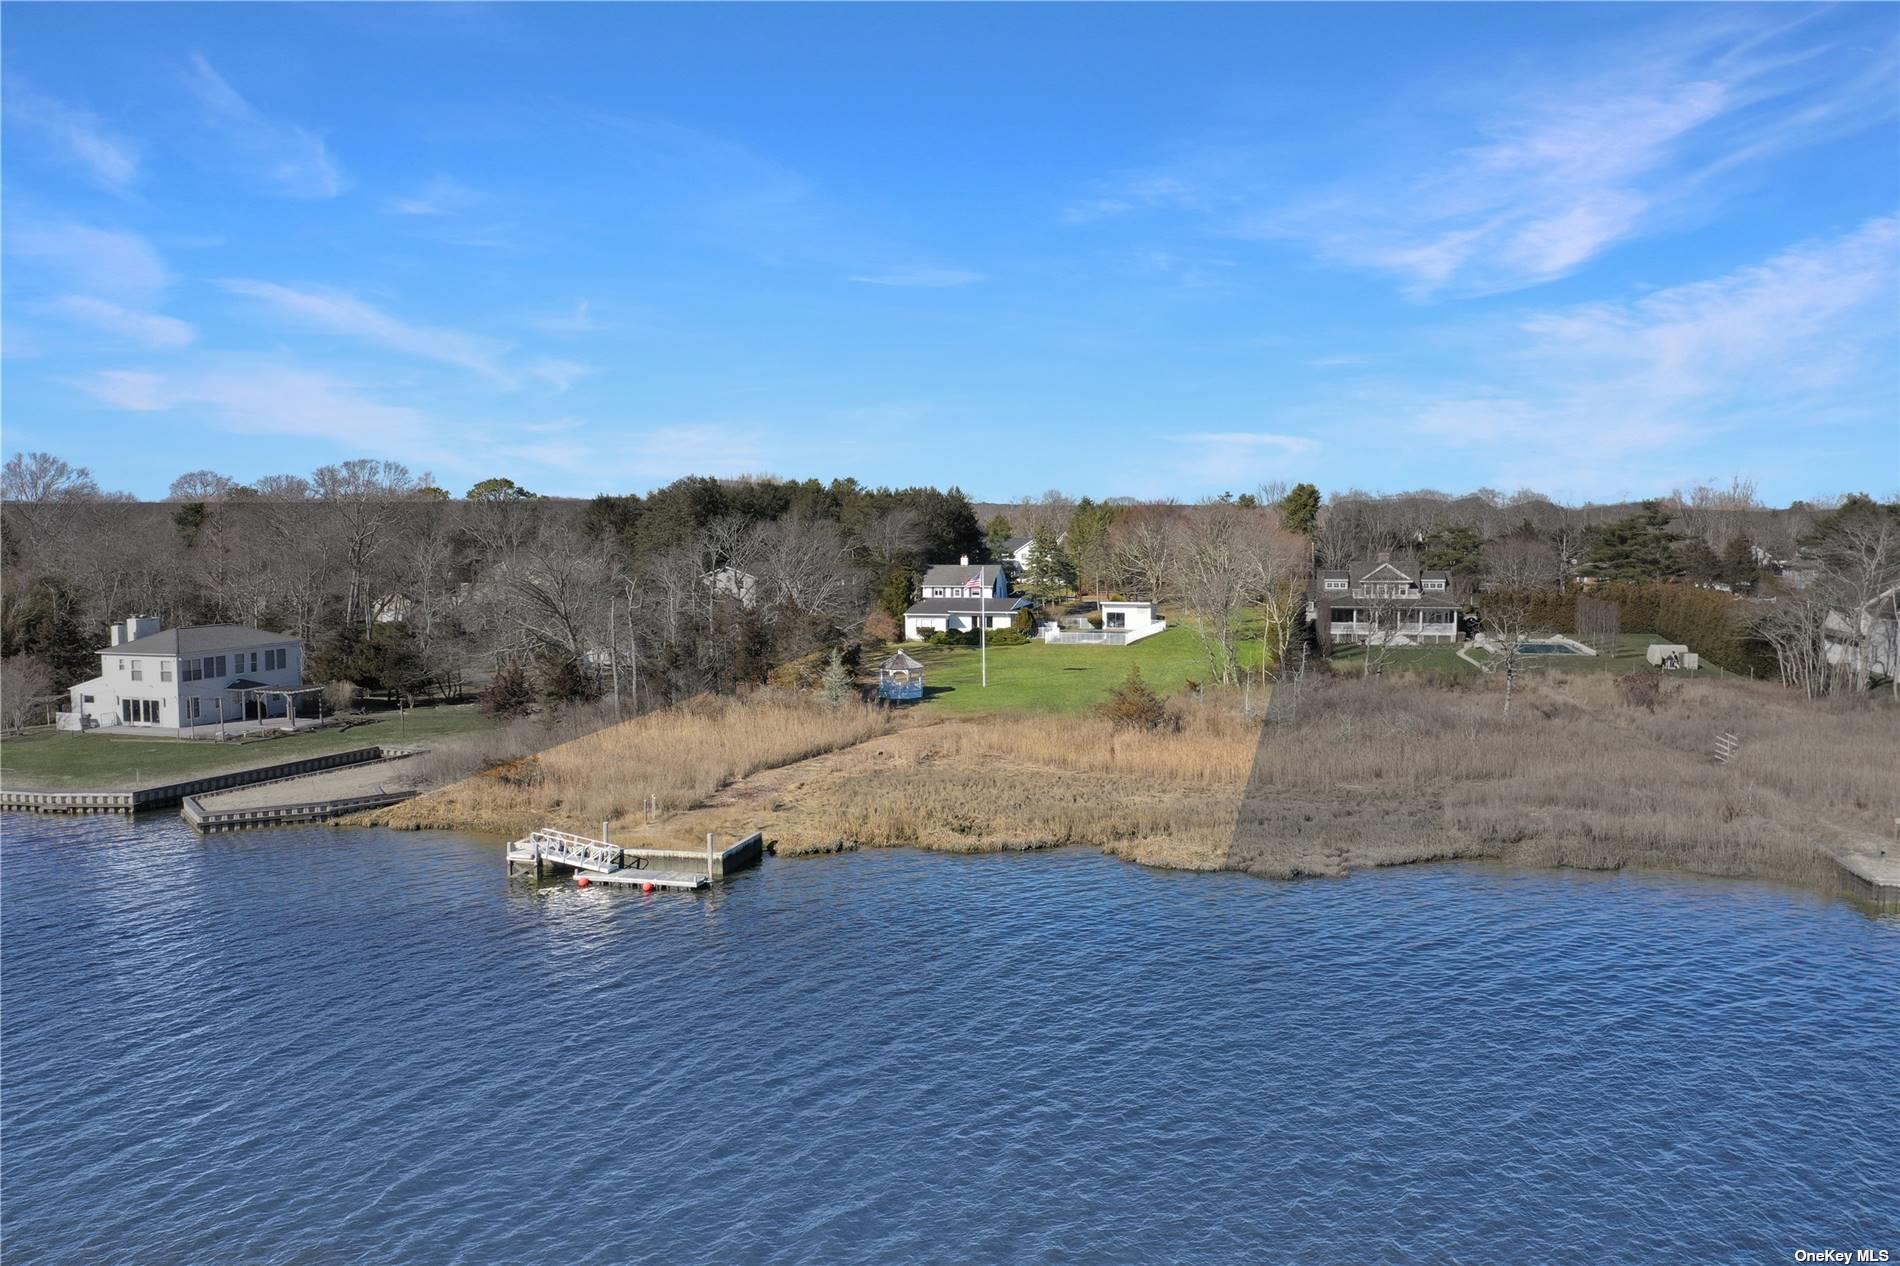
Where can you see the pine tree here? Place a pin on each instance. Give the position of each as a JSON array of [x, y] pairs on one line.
[[1299, 509], [1638, 547], [835, 685], [1050, 571]]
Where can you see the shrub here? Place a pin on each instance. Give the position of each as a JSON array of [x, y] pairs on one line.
[[950, 637], [1009, 637], [340, 695], [880, 627], [1640, 689], [1133, 706], [510, 694]]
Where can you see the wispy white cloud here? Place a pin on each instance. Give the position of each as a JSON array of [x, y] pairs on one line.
[[1230, 459], [441, 196], [1750, 360], [556, 372], [344, 314], [341, 313], [279, 399], [935, 278], [283, 158], [1530, 176], [102, 261], [580, 320], [77, 136], [150, 328]]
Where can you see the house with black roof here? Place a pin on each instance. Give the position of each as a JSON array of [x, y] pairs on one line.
[[1385, 600]]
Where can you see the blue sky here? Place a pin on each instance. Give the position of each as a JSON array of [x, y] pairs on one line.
[[1129, 250]]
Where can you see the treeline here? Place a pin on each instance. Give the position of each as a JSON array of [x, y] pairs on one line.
[[396, 585]]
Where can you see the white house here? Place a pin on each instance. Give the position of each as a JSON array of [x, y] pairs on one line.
[[1014, 554], [178, 679], [958, 597], [731, 582], [1867, 640], [1122, 622]]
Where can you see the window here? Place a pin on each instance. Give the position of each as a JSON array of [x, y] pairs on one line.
[[138, 671], [1115, 620], [164, 670], [195, 701], [253, 661], [1434, 584], [1336, 585], [121, 665], [85, 698], [223, 667]]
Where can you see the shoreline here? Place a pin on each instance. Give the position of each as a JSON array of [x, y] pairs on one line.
[[1221, 794]]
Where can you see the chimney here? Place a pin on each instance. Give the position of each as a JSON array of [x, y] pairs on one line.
[[963, 560], [1385, 556], [118, 632], [140, 626]]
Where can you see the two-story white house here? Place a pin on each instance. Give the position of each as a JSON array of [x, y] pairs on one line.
[[179, 679], [1392, 602], [961, 596]]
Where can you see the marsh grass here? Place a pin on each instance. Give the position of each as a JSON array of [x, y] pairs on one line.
[[1372, 773], [679, 757], [1382, 774]]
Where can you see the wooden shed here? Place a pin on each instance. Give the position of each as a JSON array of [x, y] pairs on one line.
[[900, 677]]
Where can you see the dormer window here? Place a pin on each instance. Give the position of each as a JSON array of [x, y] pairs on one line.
[[1336, 585], [1434, 584]]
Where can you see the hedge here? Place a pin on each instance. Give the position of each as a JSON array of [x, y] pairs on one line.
[[1707, 621]]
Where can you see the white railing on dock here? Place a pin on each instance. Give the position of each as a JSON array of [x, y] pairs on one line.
[[572, 850]]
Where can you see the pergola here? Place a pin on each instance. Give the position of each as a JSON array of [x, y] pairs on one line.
[[289, 693]]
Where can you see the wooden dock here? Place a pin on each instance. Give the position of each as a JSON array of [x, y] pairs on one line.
[[602, 861]]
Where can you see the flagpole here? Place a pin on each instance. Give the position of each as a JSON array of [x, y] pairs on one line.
[[983, 632]]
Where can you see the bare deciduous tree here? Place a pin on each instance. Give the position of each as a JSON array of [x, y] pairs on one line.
[[24, 684]]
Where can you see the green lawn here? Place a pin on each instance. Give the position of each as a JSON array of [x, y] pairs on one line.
[[1043, 678], [1630, 650], [53, 760]]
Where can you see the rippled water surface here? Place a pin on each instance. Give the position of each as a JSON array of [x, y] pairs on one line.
[[343, 1046]]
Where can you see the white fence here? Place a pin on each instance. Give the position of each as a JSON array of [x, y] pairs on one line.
[[1055, 636]]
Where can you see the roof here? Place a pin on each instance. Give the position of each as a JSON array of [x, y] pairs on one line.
[[1015, 543], [201, 640], [903, 662], [964, 606], [960, 573], [1361, 570], [245, 683]]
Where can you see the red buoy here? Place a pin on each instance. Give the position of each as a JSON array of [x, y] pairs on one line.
[[582, 882], [646, 887]]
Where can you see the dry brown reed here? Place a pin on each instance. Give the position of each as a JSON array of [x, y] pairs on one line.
[[1378, 774], [1373, 773], [677, 758]]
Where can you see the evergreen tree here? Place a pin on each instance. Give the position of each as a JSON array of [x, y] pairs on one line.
[[1638, 547], [1299, 509], [835, 685], [1087, 544], [997, 534], [1455, 548], [1051, 574]]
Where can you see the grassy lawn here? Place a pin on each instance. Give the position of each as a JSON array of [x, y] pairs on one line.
[[52, 760], [1043, 678], [1630, 650]]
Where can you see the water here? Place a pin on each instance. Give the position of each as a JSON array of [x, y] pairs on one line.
[[332, 1046]]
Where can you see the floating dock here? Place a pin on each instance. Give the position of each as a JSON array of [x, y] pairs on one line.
[[603, 861]]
